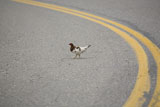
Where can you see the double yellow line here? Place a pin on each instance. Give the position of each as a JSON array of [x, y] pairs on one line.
[[142, 84]]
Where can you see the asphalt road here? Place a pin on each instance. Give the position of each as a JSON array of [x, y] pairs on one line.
[[38, 70]]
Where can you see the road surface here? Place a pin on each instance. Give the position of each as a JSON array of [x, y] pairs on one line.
[[121, 68]]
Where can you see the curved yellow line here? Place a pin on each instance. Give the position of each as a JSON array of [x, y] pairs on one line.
[[143, 82]]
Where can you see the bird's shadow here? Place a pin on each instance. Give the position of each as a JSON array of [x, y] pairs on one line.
[[81, 58]]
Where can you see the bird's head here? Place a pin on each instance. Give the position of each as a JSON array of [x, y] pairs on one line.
[[71, 44]]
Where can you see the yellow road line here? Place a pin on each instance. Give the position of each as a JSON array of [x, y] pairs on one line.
[[143, 83]]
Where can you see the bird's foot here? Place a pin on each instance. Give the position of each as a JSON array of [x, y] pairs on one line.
[[75, 57]]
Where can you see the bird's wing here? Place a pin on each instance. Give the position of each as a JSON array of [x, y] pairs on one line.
[[79, 50], [83, 49]]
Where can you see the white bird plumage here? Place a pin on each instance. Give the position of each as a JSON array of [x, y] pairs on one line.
[[78, 50]]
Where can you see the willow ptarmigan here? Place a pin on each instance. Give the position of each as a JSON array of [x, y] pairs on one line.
[[77, 49]]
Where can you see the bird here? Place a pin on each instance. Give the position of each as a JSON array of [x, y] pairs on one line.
[[77, 49]]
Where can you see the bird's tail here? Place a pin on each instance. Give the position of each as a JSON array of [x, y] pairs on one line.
[[89, 46]]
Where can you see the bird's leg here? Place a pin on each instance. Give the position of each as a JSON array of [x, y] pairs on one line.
[[75, 56], [79, 55]]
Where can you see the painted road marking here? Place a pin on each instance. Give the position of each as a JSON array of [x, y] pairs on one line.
[[143, 83]]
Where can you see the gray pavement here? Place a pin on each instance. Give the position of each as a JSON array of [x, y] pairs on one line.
[[36, 66]]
